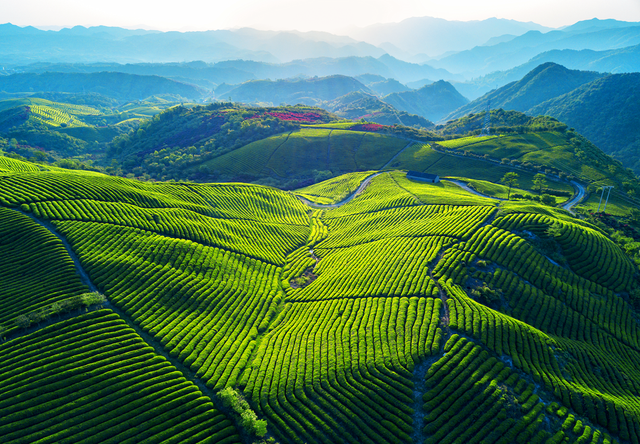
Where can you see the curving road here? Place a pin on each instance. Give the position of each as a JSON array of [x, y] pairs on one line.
[[466, 187], [579, 195], [348, 199], [580, 192]]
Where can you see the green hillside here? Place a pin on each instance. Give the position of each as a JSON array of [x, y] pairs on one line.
[[606, 112], [299, 152], [534, 144], [413, 313], [73, 129]]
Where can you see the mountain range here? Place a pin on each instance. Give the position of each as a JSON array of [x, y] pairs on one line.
[[457, 50], [482, 60]]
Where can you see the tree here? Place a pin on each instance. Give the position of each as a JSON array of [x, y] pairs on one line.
[[510, 180], [547, 199], [539, 182]]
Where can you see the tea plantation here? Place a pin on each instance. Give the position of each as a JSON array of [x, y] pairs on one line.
[[414, 313]]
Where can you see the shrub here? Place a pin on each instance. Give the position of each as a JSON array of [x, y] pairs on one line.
[[248, 420], [22, 321], [92, 299]]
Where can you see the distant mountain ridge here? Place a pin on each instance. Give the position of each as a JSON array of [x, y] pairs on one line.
[[293, 91], [467, 50], [482, 60], [544, 82], [360, 105], [111, 84], [98, 44], [614, 61], [432, 101], [434, 36], [239, 71]]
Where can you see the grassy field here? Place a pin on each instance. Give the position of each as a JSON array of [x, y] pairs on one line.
[[413, 313]]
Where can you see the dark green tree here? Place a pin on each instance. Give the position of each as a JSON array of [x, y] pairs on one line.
[[511, 180], [539, 182]]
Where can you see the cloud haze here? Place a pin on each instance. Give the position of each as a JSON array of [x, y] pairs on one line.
[[303, 15]]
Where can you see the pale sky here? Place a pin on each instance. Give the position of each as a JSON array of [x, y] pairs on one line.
[[303, 15]]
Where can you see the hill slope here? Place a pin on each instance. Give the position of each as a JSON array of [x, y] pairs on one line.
[[402, 316]]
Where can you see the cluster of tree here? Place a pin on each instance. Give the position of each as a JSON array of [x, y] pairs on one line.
[[502, 122], [539, 183], [58, 308], [235, 404]]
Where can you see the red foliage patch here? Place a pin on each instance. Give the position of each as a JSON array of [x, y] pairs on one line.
[[297, 117], [367, 127]]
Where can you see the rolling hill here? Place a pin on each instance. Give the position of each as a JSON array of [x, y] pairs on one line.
[[289, 147], [230, 312]]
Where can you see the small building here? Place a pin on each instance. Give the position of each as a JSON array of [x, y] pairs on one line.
[[423, 177]]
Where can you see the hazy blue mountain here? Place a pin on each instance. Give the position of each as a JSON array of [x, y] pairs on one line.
[[606, 111], [388, 86], [369, 78], [99, 44], [431, 101], [506, 55], [200, 73], [419, 83], [360, 105], [612, 61], [120, 86], [384, 66], [435, 36], [544, 82], [294, 91]]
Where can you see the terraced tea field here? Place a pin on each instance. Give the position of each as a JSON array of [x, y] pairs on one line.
[[412, 313]]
